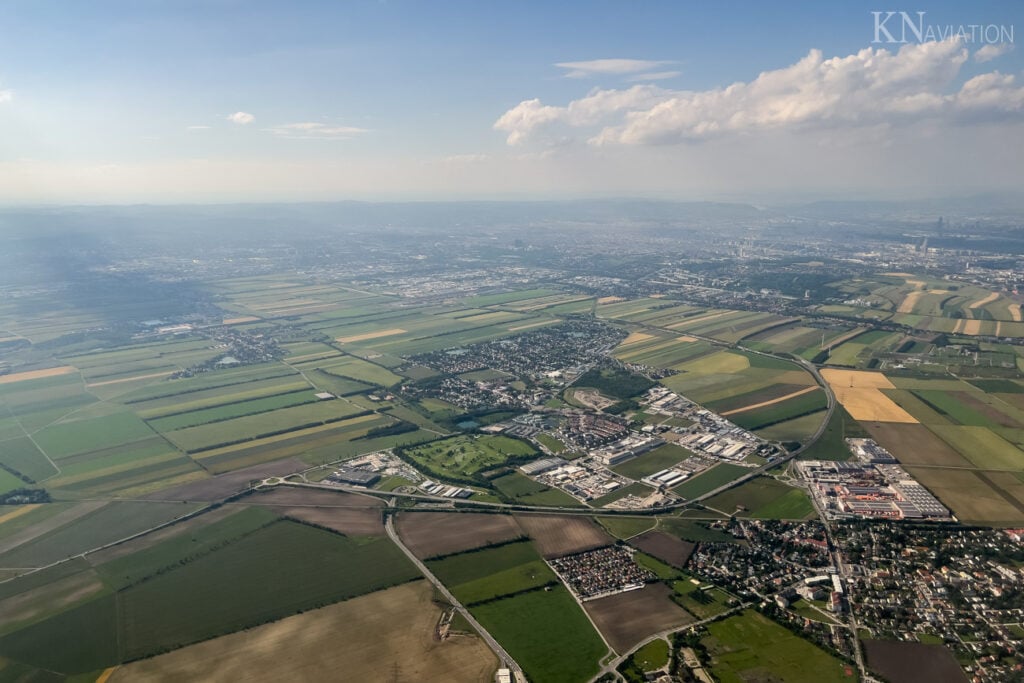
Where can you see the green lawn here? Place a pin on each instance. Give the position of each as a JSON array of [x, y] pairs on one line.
[[750, 646], [652, 656], [465, 455], [626, 527], [710, 479]]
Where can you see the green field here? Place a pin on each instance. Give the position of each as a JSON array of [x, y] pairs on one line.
[[750, 647], [483, 575], [709, 480], [232, 410], [626, 527], [68, 438], [804, 404], [659, 459], [652, 656], [466, 455], [228, 590], [110, 523], [764, 497], [700, 599], [547, 633]]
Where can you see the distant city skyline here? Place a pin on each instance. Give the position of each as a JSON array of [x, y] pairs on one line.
[[223, 101]]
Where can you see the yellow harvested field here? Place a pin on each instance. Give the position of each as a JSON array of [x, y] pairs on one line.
[[105, 676], [859, 392], [1015, 313], [371, 335], [687, 338], [238, 321], [907, 305], [128, 379], [982, 302], [610, 299], [699, 319], [780, 399], [858, 379], [37, 374], [529, 325], [385, 636], [17, 512], [636, 338], [965, 326]]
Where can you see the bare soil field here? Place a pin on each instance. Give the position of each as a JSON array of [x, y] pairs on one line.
[[51, 597], [556, 536], [916, 445], [432, 534], [860, 393], [627, 618], [667, 548], [901, 662], [352, 522], [224, 485], [371, 335], [384, 636], [36, 374]]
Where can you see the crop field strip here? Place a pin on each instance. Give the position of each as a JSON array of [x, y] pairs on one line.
[[218, 588]]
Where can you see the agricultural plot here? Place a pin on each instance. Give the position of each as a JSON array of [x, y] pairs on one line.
[[556, 536], [751, 646], [68, 438], [973, 495], [232, 410], [369, 638], [521, 489], [702, 600], [764, 498], [628, 618], [903, 662], [484, 575], [230, 431], [662, 352], [626, 527], [109, 523], [227, 590], [22, 456], [547, 633], [435, 534], [793, 405], [860, 393], [668, 548]]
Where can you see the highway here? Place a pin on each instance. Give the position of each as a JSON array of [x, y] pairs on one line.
[[504, 656]]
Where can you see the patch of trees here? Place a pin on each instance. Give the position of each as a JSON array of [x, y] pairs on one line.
[[615, 382], [25, 496]]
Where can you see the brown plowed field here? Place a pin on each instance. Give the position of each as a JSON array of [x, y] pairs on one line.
[[432, 534], [556, 536], [665, 547], [627, 618]]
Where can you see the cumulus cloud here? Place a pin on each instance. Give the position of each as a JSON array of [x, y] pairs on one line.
[[989, 52], [614, 67], [309, 130], [241, 118], [870, 88]]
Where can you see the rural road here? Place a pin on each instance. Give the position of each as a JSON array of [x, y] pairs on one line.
[[504, 656]]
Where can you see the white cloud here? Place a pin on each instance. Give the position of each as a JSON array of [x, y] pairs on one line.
[[615, 67], [989, 52], [870, 88], [6, 95], [309, 130], [242, 118]]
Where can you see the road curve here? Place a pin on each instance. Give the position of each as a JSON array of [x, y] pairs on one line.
[[504, 656]]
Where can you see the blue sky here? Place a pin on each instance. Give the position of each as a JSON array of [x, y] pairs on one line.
[[130, 101]]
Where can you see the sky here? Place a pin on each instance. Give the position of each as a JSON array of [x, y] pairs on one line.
[[176, 101]]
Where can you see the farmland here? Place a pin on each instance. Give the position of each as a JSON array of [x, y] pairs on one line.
[[557, 536], [765, 498], [627, 618], [394, 625], [546, 632], [484, 575], [434, 534]]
